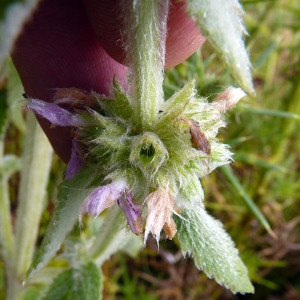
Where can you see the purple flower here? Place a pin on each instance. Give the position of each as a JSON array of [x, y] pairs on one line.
[[103, 197], [55, 114], [133, 213], [61, 117], [75, 162], [106, 196]]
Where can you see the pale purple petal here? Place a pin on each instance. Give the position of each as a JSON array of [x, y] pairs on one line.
[[75, 163], [103, 197], [133, 213], [54, 113], [97, 201]]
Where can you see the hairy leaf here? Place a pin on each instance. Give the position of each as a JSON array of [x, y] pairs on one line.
[[204, 238], [71, 195], [77, 283], [176, 105], [221, 22], [120, 106]]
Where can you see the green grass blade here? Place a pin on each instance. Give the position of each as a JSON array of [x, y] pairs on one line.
[[227, 172], [255, 160], [272, 112]]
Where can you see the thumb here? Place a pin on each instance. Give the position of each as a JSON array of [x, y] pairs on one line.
[[183, 39]]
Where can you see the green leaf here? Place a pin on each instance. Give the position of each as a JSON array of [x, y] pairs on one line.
[[31, 294], [176, 105], [77, 283], [204, 238], [221, 22], [272, 112], [71, 195], [119, 107]]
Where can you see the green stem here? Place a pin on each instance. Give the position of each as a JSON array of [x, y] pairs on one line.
[[6, 232], [145, 50], [36, 164]]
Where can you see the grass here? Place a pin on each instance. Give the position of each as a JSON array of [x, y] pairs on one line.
[[260, 189]]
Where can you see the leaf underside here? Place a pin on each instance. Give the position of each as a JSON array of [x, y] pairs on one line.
[[221, 22], [204, 238]]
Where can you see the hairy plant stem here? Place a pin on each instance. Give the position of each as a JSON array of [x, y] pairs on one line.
[[6, 231], [145, 26], [36, 162], [145, 50]]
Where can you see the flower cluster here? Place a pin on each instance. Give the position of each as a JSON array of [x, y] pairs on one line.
[[159, 166]]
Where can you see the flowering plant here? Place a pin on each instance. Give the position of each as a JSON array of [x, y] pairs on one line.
[[146, 155], [160, 167]]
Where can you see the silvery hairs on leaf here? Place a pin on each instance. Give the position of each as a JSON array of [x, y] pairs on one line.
[[221, 22], [203, 238]]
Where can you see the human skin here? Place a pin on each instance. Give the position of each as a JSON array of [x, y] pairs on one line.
[[74, 43]]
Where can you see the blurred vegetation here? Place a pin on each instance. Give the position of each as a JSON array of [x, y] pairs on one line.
[[262, 182]]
